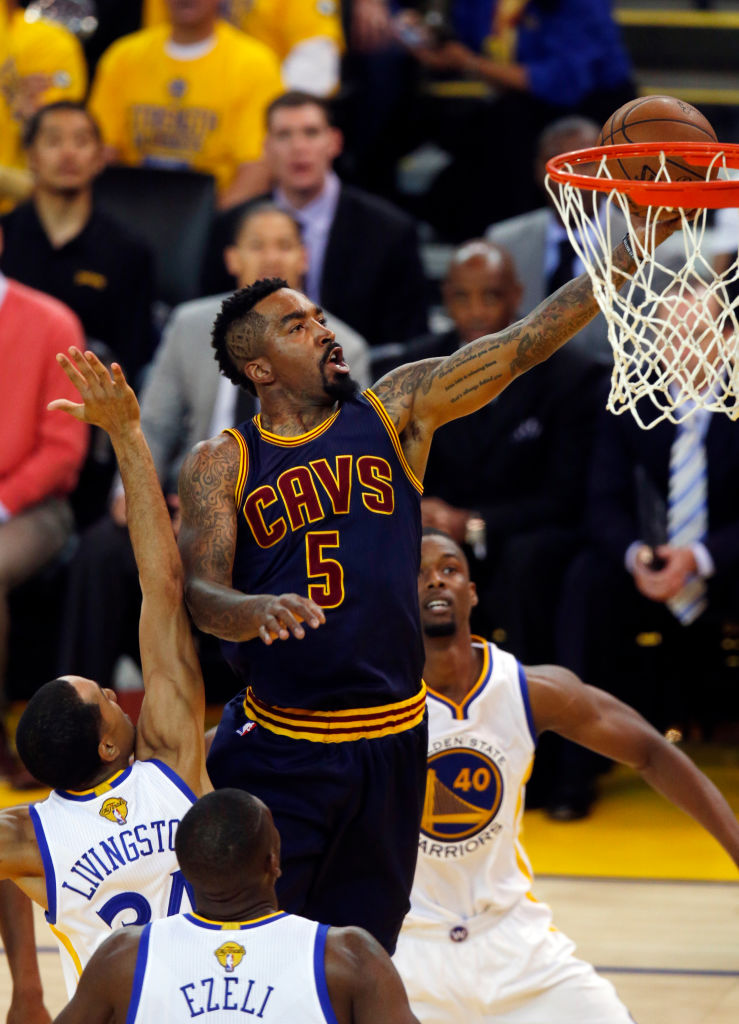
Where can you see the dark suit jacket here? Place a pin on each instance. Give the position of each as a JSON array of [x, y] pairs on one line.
[[613, 503], [372, 278], [521, 460]]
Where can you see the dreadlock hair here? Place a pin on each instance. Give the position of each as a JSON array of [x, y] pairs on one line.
[[58, 735], [238, 330]]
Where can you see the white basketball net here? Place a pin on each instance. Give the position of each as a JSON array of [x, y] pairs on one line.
[[673, 325]]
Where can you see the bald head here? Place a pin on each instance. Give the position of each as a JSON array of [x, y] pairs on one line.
[[225, 840], [481, 290], [563, 136]]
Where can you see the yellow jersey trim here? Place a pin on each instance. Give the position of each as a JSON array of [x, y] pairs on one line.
[[294, 442], [459, 710], [522, 867], [103, 787], [226, 925], [65, 941], [243, 464], [394, 437], [337, 726]]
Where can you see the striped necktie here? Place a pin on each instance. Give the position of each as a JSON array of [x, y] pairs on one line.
[[687, 512]]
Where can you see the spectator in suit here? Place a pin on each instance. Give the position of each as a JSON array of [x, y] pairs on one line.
[[508, 480], [40, 457], [660, 565], [538, 240], [191, 95], [363, 255], [185, 400]]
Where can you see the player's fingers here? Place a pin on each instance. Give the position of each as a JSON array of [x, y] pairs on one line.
[[290, 620], [307, 610], [276, 628], [264, 635], [98, 369], [64, 405], [71, 369], [118, 375]]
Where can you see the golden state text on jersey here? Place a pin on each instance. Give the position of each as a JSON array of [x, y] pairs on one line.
[[334, 515]]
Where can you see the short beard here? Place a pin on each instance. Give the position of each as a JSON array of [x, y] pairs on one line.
[[341, 389], [435, 629]]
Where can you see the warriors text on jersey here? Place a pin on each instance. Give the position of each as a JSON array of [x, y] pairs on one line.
[[334, 515], [109, 857], [271, 969], [470, 859]]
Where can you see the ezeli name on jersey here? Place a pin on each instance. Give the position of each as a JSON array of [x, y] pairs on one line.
[[109, 855], [242, 995]]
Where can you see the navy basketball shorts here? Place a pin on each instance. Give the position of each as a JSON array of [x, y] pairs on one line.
[[348, 814]]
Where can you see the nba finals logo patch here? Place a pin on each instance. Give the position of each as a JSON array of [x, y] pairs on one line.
[[230, 955], [464, 790], [115, 809]]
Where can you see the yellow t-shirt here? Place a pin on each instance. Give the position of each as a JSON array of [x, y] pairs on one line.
[[280, 24], [35, 48], [206, 114], [44, 48], [7, 76]]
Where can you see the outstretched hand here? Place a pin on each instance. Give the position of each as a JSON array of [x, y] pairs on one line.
[[107, 399]]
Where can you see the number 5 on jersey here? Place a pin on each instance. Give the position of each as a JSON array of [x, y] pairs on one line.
[[328, 590]]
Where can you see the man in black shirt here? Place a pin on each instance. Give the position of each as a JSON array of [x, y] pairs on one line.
[[59, 243]]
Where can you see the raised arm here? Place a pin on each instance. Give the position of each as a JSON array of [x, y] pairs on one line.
[[420, 397], [171, 722], [363, 984], [563, 703], [207, 542]]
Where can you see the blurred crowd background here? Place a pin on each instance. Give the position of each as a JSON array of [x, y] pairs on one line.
[[388, 159]]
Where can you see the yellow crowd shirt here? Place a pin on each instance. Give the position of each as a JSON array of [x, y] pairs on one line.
[[280, 24], [7, 72], [29, 49], [206, 113]]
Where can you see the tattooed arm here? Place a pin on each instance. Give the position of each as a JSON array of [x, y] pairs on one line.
[[421, 396], [207, 544]]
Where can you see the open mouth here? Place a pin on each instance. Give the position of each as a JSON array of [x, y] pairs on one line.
[[437, 605], [336, 358]]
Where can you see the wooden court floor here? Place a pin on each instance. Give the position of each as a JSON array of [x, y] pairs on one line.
[[649, 899]]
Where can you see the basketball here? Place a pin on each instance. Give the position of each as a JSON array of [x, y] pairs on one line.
[[656, 119]]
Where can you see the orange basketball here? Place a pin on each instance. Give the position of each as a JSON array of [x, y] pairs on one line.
[[656, 119]]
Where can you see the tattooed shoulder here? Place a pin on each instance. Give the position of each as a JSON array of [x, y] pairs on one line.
[[211, 467], [398, 388]]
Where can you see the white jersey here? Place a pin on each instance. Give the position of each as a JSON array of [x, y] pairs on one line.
[[109, 857], [476, 945], [470, 859], [271, 968]]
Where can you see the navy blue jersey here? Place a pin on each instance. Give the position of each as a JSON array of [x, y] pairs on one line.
[[333, 515]]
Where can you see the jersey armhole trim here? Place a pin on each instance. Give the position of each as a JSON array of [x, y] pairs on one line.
[[394, 437], [319, 972], [243, 464], [49, 875], [524, 685], [173, 777], [138, 974]]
